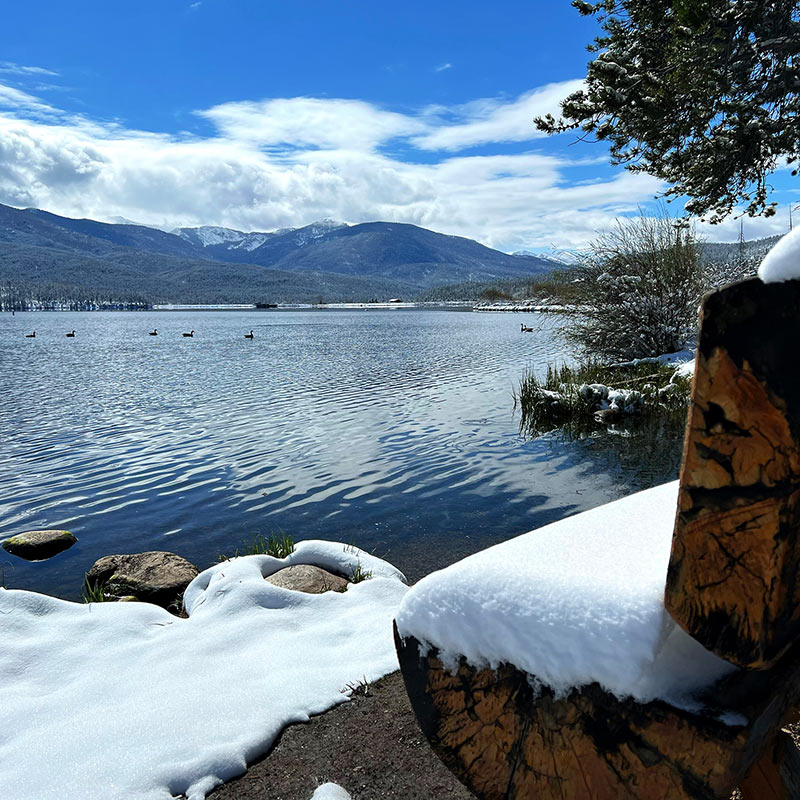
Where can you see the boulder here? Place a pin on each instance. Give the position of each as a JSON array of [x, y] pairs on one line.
[[39, 545], [305, 578], [154, 577]]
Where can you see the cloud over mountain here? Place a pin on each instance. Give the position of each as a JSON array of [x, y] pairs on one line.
[[283, 162]]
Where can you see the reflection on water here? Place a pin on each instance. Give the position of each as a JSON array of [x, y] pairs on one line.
[[393, 429], [637, 454]]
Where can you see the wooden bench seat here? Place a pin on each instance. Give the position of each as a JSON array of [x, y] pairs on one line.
[[733, 584]]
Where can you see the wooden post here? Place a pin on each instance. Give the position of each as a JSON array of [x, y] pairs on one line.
[[734, 575]]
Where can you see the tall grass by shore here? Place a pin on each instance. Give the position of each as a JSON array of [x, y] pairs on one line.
[[578, 398]]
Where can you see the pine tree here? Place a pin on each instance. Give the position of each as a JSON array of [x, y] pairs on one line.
[[703, 94]]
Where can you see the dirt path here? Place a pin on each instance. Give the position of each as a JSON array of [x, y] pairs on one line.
[[371, 746]]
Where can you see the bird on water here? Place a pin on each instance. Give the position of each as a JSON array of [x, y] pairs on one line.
[[249, 335], [189, 335], [524, 329], [70, 335], [154, 332], [30, 335]]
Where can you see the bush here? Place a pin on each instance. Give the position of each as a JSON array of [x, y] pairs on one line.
[[640, 289]]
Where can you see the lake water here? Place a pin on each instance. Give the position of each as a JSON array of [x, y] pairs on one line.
[[391, 429]]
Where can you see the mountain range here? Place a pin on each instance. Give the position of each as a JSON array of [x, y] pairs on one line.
[[325, 260]]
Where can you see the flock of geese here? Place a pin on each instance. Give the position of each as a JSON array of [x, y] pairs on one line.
[[153, 332]]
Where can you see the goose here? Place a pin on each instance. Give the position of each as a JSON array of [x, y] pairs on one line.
[[70, 335], [30, 335], [154, 332], [189, 335], [249, 335], [523, 329]]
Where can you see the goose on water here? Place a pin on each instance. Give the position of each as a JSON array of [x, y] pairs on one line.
[[30, 335], [154, 332], [189, 335], [249, 335], [70, 335], [524, 329]]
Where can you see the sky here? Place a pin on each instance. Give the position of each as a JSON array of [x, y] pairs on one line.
[[257, 115]]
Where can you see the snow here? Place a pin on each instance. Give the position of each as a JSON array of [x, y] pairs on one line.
[[577, 601], [782, 262], [121, 700], [621, 401], [678, 358], [330, 791], [251, 242], [208, 235], [685, 370]]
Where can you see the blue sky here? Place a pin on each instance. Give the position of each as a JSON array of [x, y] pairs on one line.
[[258, 115]]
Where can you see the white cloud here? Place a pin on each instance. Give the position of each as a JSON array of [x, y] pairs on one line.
[[490, 121], [9, 67], [310, 122], [16, 100], [443, 67], [288, 162]]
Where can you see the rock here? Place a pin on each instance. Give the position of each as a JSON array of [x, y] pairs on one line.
[[153, 577], [39, 545], [305, 578]]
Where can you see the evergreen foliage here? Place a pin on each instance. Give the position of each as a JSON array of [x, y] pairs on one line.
[[703, 94]]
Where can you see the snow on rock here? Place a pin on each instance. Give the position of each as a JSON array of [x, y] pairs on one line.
[[577, 601], [782, 263], [119, 700], [330, 791], [621, 401]]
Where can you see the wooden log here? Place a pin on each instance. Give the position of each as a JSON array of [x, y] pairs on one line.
[[505, 738], [733, 576]]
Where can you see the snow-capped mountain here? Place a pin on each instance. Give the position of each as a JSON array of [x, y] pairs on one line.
[[231, 239], [228, 238], [327, 258], [208, 235]]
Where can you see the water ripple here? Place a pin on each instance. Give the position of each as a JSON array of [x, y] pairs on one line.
[[391, 428]]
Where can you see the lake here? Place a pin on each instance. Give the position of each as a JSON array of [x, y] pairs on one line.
[[394, 430]]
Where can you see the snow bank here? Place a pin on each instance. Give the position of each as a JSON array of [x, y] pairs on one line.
[[677, 358], [330, 791], [577, 601], [685, 370], [122, 700], [782, 263]]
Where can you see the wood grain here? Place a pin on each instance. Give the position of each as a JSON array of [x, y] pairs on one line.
[[733, 576]]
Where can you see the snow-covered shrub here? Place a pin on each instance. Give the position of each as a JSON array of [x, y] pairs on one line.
[[641, 284], [570, 398]]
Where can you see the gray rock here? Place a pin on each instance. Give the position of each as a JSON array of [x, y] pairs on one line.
[[155, 577], [305, 578], [39, 545]]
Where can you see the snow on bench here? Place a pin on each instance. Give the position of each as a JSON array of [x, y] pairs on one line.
[[572, 662]]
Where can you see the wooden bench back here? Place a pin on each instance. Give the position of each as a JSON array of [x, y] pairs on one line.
[[734, 575]]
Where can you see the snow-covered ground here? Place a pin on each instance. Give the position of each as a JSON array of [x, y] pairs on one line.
[[577, 601], [124, 700]]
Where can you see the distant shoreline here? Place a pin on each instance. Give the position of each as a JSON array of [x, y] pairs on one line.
[[168, 307]]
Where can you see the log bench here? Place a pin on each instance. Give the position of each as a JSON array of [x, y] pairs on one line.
[[733, 584]]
